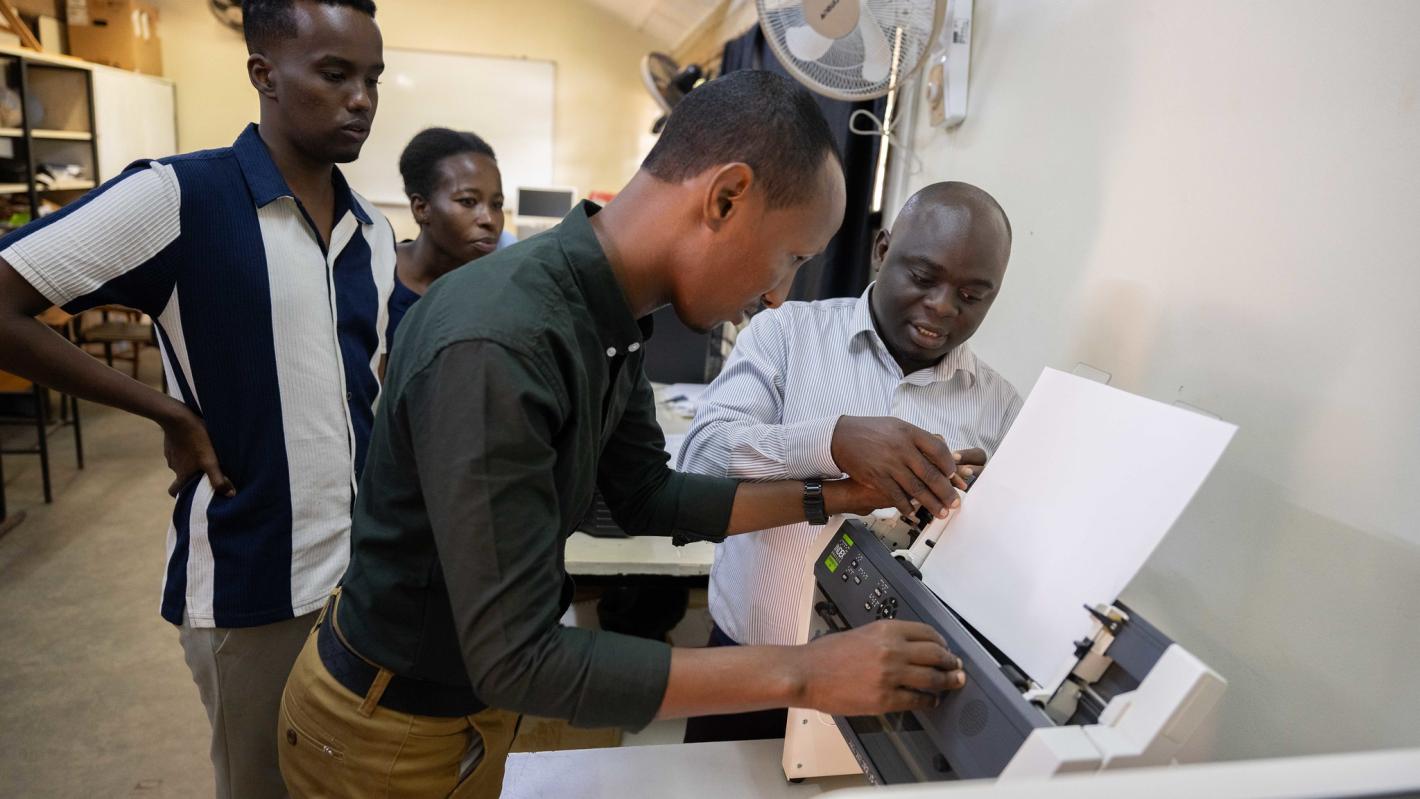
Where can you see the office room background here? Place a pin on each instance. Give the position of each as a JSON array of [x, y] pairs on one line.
[[1214, 205]]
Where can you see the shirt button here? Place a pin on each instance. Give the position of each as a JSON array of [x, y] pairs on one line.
[[611, 352], [349, 396], [635, 345]]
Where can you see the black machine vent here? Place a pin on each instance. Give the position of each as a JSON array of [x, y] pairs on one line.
[[973, 718]]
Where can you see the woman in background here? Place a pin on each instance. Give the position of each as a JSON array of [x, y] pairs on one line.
[[456, 195]]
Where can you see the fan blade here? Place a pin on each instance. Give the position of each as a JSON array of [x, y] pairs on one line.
[[807, 44], [877, 57]]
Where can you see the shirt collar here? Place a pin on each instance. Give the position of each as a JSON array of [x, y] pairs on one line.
[[267, 185], [619, 330], [860, 326]]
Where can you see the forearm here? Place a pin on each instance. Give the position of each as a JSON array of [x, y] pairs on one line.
[[751, 449], [37, 353], [733, 679], [760, 506]]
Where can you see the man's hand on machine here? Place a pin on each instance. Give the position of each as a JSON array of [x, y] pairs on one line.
[[901, 463], [861, 499], [881, 667], [970, 463]]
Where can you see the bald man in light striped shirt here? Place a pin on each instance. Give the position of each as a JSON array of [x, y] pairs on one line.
[[814, 389]]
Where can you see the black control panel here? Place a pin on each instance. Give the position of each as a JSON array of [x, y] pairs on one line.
[[972, 732], [878, 598]]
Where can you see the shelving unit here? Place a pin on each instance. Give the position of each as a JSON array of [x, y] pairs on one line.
[[62, 135], [53, 99]]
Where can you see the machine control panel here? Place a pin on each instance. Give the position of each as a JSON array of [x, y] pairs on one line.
[[869, 588], [973, 731]]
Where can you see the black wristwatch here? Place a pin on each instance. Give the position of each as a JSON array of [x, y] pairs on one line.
[[813, 502]]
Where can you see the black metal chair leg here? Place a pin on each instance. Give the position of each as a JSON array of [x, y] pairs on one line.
[[42, 427], [4, 510], [78, 432]]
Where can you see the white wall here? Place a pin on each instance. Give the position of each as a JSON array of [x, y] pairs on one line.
[[603, 114], [1219, 202]]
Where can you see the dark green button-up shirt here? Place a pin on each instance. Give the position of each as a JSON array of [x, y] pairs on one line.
[[515, 387]]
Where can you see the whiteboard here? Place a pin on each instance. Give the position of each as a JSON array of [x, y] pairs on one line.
[[507, 101], [134, 117]]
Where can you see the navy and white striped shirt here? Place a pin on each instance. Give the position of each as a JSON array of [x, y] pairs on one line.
[[273, 338], [770, 416]]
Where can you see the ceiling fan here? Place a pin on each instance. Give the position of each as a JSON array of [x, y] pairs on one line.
[[228, 11]]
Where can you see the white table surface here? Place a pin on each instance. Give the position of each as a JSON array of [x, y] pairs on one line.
[[751, 769], [589, 556], [728, 770]]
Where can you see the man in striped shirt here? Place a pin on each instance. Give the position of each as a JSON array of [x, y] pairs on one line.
[[267, 278], [815, 390]]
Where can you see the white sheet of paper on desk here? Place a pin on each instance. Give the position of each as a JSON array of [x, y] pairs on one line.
[[689, 392], [683, 398], [1082, 489]]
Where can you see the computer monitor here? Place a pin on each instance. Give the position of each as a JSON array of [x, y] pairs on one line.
[[546, 201]]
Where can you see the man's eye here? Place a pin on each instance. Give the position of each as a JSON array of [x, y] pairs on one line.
[[468, 203], [968, 297], [333, 77], [921, 280]]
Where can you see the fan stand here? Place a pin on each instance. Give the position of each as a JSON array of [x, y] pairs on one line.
[[17, 26]]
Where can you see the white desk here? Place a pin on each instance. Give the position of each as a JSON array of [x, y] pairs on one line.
[[751, 769], [589, 556], [717, 771], [1373, 775]]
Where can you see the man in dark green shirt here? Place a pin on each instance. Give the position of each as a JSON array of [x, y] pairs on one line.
[[515, 390]]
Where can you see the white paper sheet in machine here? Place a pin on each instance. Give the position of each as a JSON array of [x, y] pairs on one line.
[[1084, 486]]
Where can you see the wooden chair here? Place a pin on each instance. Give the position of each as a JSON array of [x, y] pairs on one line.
[[13, 386], [117, 325]]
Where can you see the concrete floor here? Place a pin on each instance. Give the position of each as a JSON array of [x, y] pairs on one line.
[[95, 700]]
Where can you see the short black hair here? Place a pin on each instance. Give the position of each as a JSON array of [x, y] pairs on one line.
[[755, 117], [419, 163], [264, 21]]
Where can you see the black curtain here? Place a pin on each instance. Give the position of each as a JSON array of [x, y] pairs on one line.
[[679, 355], [842, 269]]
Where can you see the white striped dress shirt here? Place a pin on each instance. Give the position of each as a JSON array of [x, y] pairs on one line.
[[770, 416]]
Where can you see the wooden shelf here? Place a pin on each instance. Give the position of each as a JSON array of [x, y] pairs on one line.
[[69, 185], [63, 135], [52, 135], [14, 188]]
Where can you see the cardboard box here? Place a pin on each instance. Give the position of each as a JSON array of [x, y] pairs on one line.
[[119, 33]]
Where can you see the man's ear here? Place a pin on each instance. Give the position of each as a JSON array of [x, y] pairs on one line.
[[261, 72], [726, 191], [880, 248], [419, 207]]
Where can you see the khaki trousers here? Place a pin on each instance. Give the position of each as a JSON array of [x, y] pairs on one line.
[[240, 673], [334, 743]]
